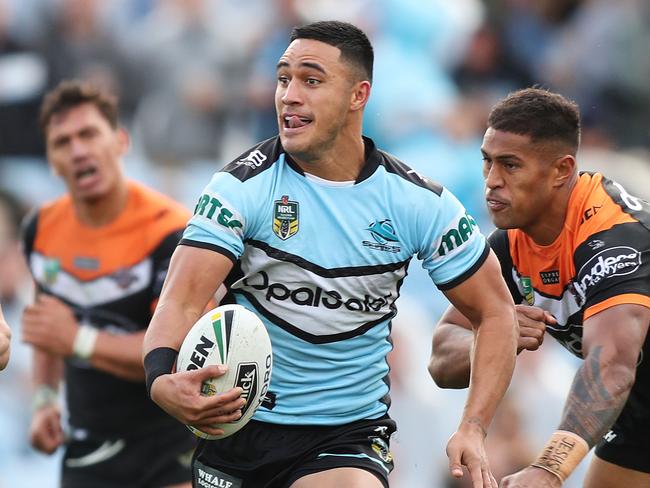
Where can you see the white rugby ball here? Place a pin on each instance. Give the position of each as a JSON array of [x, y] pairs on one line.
[[234, 336]]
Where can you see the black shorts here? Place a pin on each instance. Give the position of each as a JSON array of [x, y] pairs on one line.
[[628, 448], [151, 461], [264, 455]]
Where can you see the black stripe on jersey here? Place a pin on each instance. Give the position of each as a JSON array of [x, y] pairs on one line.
[[255, 160], [395, 166], [28, 232], [631, 205], [211, 247], [326, 272], [459, 279], [501, 244], [311, 338]]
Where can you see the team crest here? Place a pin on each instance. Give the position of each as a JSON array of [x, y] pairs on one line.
[[285, 218], [527, 286], [51, 270], [380, 446]]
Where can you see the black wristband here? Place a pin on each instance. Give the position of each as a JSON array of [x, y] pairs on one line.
[[158, 362]]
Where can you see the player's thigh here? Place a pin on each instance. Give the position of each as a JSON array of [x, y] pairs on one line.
[[603, 474], [338, 477]]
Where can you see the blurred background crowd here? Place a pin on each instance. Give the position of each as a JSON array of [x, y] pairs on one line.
[[196, 81]]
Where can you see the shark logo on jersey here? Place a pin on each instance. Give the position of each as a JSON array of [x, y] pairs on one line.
[[382, 232], [285, 218]]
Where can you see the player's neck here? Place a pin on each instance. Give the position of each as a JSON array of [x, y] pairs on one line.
[[104, 210], [547, 229], [343, 161]]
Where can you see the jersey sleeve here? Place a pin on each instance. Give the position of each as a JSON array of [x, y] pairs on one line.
[[161, 257], [500, 244], [613, 268], [219, 220], [454, 248]]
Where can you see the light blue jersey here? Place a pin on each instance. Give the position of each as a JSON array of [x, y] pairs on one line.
[[322, 264]]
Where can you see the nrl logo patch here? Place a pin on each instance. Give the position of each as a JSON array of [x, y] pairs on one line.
[[527, 287], [285, 218]]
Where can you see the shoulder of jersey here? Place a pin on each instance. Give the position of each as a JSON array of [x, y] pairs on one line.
[[255, 160], [161, 205], [394, 166]]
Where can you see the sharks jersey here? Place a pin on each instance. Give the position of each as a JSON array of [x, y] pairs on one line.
[[322, 264]]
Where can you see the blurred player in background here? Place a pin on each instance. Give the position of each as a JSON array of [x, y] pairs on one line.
[[575, 252], [322, 226], [99, 256]]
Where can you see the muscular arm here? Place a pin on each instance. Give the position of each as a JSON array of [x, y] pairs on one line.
[[47, 369], [50, 326], [612, 341], [193, 278], [120, 355], [484, 299], [451, 347]]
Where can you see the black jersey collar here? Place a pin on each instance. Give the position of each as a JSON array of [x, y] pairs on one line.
[[371, 155]]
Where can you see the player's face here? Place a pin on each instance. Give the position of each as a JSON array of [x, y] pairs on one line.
[[312, 97], [518, 180], [85, 151]]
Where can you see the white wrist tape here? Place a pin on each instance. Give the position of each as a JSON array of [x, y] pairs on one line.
[[84, 342], [44, 395]]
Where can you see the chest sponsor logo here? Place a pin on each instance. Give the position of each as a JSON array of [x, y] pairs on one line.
[[383, 233], [285, 218], [81, 262], [527, 287], [456, 237], [316, 296], [551, 277], [254, 160], [614, 261], [211, 208]]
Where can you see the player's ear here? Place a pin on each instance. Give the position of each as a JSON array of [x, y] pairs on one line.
[[360, 94], [124, 139], [564, 168]]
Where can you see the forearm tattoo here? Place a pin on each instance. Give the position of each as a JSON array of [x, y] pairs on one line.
[[592, 406]]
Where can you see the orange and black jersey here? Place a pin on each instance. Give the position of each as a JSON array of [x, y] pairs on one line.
[[111, 276], [600, 259]]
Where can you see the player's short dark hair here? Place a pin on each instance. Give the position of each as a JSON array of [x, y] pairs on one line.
[[71, 93], [542, 115], [354, 44]]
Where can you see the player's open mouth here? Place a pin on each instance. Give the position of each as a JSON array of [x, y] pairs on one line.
[[295, 121], [495, 205], [85, 175]]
